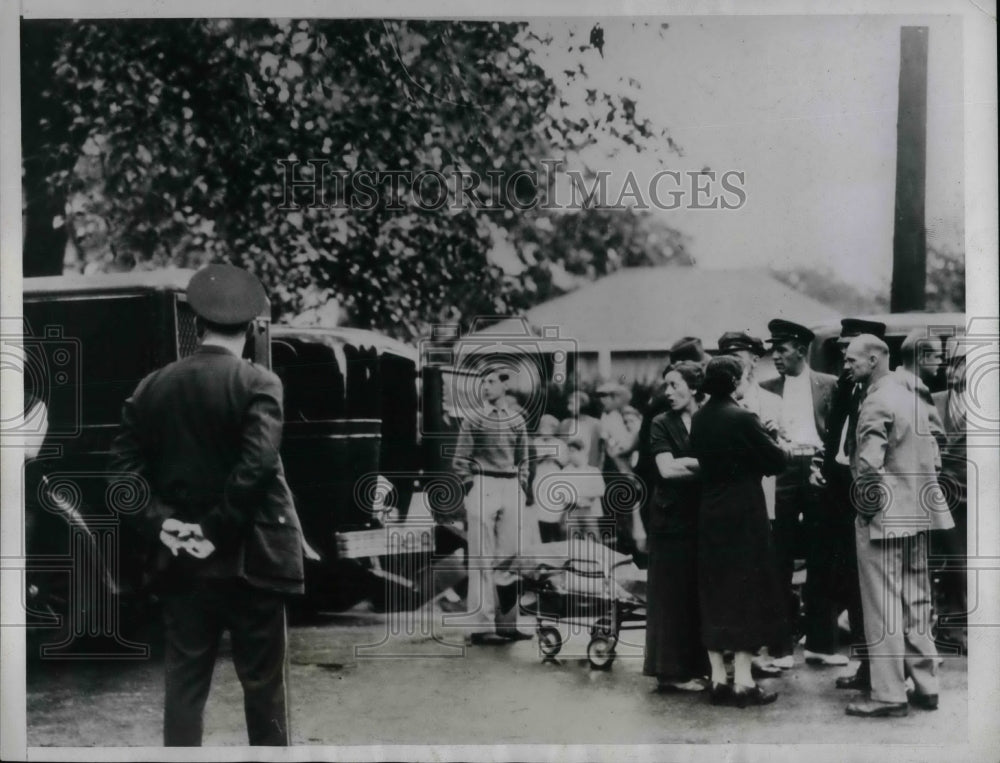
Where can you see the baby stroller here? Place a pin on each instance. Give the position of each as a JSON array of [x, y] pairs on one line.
[[580, 588]]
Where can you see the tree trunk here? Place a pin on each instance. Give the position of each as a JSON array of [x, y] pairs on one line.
[[45, 124]]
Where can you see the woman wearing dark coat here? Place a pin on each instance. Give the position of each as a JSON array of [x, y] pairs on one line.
[[740, 594], [674, 652]]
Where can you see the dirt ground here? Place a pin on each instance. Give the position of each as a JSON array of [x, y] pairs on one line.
[[363, 678]]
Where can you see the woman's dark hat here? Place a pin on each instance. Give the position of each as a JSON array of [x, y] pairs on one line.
[[226, 295], [688, 348]]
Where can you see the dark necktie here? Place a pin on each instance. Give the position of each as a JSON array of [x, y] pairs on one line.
[[850, 442]]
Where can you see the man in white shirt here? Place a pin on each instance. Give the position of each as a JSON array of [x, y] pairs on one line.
[[805, 400]]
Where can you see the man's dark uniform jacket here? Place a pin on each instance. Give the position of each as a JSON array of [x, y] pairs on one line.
[[793, 497], [205, 433]]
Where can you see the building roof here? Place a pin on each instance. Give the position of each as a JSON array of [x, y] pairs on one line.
[[649, 308]]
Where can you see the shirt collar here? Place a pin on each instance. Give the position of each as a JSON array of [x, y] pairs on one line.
[[500, 408], [872, 386], [213, 349], [801, 379], [910, 379]]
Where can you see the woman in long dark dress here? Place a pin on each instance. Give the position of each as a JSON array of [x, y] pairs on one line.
[[739, 591], [674, 653]]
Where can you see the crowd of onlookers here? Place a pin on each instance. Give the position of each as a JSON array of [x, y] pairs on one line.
[[573, 461], [736, 481]]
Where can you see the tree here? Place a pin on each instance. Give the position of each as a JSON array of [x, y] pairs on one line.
[[170, 134], [945, 286], [945, 280]]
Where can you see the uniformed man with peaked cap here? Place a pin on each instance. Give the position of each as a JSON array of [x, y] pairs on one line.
[[223, 538], [805, 402]]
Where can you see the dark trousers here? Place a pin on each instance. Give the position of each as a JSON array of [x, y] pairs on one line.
[[832, 574], [794, 497], [949, 562], [195, 618]]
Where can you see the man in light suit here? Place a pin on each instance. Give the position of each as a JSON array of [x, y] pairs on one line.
[[896, 497], [805, 401]]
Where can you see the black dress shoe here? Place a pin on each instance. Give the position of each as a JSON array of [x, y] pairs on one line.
[[748, 697], [923, 701], [857, 682], [873, 709], [720, 694], [485, 639], [764, 671]]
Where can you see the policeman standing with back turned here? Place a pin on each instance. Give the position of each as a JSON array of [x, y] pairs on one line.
[[221, 537]]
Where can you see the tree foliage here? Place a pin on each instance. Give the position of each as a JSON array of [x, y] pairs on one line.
[[945, 291], [153, 143]]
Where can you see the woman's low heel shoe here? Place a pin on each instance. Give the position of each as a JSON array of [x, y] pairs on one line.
[[720, 694], [750, 697]]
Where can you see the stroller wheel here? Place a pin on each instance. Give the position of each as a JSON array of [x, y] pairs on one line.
[[603, 626], [601, 652], [549, 641]]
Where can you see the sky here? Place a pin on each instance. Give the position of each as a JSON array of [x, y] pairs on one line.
[[806, 107]]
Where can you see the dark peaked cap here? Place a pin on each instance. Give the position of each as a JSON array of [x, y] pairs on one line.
[[226, 295], [852, 327], [732, 341], [785, 331]]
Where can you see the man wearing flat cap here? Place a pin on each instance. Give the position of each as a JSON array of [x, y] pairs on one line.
[[223, 538], [491, 458], [749, 349], [805, 402], [831, 472], [767, 405], [688, 348]]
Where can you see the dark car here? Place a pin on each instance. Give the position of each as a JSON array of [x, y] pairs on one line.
[[87, 342], [352, 454], [351, 409]]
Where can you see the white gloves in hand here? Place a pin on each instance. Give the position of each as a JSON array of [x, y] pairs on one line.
[[184, 536]]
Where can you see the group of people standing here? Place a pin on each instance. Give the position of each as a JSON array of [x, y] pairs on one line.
[[743, 480], [853, 459]]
